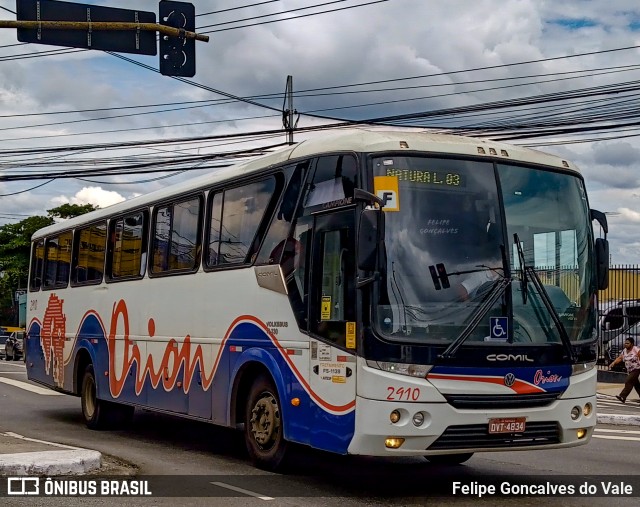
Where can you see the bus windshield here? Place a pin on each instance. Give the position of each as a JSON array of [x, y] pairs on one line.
[[449, 243]]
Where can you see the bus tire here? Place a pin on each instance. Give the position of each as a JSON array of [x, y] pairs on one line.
[[449, 459], [101, 414], [264, 426]]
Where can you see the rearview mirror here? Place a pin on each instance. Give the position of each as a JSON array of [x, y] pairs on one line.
[[370, 230], [602, 263]]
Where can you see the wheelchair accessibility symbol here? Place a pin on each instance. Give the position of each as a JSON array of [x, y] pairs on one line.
[[499, 328]]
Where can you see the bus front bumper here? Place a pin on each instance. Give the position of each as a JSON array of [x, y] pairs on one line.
[[447, 430]]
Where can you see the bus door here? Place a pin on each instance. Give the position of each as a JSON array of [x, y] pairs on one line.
[[332, 325]]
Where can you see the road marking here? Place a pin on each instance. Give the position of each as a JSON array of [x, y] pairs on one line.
[[630, 432], [17, 365], [612, 437], [22, 437], [240, 490], [30, 387], [13, 372]]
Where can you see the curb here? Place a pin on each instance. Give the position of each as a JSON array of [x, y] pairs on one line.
[[50, 462]]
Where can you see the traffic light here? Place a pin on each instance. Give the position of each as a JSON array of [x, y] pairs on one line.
[[177, 54]]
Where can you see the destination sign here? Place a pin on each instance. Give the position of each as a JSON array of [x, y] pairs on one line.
[[443, 178]]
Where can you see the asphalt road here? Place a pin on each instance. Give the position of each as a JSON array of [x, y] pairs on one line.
[[184, 451]]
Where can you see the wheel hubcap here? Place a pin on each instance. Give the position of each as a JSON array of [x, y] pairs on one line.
[[265, 421], [89, 398]]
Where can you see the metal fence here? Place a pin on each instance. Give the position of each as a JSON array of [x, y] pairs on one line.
[[618, 311]]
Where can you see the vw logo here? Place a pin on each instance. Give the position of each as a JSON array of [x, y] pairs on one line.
[[509, 379]]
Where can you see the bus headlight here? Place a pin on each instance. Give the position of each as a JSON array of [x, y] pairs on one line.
[[418, 419], [582, 367], [412, 370], [587, 409], [575, 413]]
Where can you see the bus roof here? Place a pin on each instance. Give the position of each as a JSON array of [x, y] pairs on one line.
[[369, 140]]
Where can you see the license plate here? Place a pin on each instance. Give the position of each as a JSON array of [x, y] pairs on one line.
[[507, 425]]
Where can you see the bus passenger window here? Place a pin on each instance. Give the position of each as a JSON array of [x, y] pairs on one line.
[[280, 227], [89, 253], [37, 262], [176, 241], [127, 244], [243, 210], [58, 260]]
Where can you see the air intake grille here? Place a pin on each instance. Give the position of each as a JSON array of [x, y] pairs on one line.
[[480, 401], [477, 436]]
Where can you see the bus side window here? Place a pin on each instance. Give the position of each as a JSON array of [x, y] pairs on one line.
[[280, 227], [58, 260], [128, 246], [89, 254], [335, 178], [232, 237], [176, 239], [37, 262]]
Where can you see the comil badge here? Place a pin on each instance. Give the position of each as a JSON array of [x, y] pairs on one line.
[[386, 188]]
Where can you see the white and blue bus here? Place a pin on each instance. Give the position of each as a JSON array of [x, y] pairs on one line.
[[381, 293]]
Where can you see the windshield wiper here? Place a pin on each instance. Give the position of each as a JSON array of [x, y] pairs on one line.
[[498, 290], [524, 282]]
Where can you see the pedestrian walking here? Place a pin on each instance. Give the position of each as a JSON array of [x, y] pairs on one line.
[[631, 357]]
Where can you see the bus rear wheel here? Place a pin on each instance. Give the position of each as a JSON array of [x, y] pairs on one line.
[[263, 426], [449, 459], [100, 414]]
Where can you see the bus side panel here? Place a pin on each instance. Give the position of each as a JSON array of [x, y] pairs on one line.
[[314, 421], [35, 357], [296, 419]]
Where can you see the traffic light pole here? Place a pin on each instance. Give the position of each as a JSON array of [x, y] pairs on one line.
[[104, 25]]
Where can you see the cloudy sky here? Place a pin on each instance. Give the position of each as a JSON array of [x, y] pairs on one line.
[[407, 56]]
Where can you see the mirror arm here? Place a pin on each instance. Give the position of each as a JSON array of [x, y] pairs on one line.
[[601, 218], [363, 195]]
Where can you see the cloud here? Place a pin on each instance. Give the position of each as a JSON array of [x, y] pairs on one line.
[[630, 215], [90, 195]]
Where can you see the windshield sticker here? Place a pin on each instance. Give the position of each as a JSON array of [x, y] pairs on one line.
[[325, 309], [498, 329], [386, 188], [351, 335]]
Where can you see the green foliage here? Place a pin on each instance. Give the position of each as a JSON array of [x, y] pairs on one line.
[[71, 210], [15, 248]]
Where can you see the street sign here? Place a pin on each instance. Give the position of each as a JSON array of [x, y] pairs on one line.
[[121, 41]]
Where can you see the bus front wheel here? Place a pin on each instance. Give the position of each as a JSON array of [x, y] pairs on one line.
[[100, 414], [449, 459], [263, 426]]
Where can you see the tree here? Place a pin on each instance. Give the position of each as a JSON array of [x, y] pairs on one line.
[[71, 210], [15, 248]]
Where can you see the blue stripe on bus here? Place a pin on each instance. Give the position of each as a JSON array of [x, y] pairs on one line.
[[308, 423]]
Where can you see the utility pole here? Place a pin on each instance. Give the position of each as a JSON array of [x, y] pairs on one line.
[[289, 113]]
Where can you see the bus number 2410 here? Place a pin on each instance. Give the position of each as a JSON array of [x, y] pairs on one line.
[[403, 393]]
